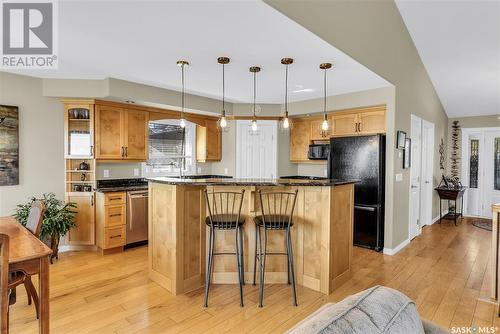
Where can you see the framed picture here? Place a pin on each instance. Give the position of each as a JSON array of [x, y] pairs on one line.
[[407, 154], [9, 145], [400, 140]]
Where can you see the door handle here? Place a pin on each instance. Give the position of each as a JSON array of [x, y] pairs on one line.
[[123, 151], [414, 187], [126, 151], [364, 208], [427, 182]]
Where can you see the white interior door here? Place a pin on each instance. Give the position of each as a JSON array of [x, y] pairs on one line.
[[491, 165], [427, 173], [256, 152], [415, 174]]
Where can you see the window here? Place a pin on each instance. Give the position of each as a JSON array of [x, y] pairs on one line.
[[170, 148], [496, 159], [474, 163]]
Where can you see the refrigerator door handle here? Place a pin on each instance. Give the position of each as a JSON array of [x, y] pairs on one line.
[[364, 208]]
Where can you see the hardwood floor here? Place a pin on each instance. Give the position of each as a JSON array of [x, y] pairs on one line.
[[445, 270]]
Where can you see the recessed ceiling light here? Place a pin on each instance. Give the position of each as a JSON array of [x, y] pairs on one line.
[[305, 90]]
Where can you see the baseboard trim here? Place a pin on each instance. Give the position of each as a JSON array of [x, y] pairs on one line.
[[435, 219], [395, 250]]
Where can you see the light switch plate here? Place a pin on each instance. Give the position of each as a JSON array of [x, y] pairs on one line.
[[325, 172], [226, 171], [136, 171], [106, 173], [399, 177], [199, 170], [400, 154]]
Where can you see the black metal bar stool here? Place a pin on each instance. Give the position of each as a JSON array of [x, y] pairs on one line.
[[224, 213], [277, 212]]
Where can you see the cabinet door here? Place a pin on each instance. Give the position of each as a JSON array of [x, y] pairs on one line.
[[78, 130], [84, 231], [345, 125], [371, 122], [316, 133], [109, 133], [214, 141], [136, 134], [201, 143], [299, 140]]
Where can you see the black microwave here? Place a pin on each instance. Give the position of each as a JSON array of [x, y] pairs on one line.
[[318, 151]]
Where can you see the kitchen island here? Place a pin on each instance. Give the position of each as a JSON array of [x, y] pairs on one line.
[[322, 233]]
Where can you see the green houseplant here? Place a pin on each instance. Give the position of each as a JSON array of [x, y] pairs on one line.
[[57, 220]]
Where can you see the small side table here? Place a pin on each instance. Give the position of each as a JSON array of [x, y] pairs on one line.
[[451, 194]]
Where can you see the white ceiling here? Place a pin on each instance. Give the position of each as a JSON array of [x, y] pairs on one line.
[[459, 44], [141, 41]]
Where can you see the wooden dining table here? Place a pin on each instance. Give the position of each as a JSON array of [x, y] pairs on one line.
[[31, 256]]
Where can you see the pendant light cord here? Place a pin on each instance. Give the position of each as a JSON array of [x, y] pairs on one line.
[[286, 88], [182, 98], [324, 89], [254, 92], [223, 90]]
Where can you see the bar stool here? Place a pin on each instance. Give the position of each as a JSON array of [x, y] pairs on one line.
[[277, 212], [224, 213]]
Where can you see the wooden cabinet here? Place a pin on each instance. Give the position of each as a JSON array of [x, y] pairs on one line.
[[208, 142], [84, 231], [316, 133], [79, 129], [345, 124], [111, 221], [366, 122], [299, 140], [371, 122], [120, 133], [352, 122]]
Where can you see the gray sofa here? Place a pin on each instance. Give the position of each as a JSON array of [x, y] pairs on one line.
[[376, 310]]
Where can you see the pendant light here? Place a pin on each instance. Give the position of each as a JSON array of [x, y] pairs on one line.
[[182, 64], [324, 125], [254, 70], [285, 121], [222, 123]]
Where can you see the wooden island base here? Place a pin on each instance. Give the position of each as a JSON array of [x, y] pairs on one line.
[[322, 237]]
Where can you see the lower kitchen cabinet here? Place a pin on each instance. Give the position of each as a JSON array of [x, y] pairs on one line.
[[111, 221], [83, 234]]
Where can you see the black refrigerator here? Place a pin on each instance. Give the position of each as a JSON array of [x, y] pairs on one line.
[[363, 158]]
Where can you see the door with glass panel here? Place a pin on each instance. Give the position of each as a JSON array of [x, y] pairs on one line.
[[472, 175], [491, 185]]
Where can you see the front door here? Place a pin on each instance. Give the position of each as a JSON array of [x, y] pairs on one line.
[[491, 165]]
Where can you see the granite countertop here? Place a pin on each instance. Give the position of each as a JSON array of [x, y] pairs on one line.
[[126, 188], [251, 182]]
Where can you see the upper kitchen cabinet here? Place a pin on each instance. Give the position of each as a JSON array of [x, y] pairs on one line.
[[371, 122], [78, 129], [316, 133], [362, 121], [121, 133], [208, 142], [300, 135], [136, 134], [345, 124]]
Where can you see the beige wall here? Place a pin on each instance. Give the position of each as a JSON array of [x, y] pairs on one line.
[[41, 149], [374, 34], [490, 121]]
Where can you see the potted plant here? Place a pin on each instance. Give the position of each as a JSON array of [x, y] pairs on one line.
[[57, 220]]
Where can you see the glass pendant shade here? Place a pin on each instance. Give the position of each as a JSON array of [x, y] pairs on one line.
[[254, 125], [324, 125], [182, 123]]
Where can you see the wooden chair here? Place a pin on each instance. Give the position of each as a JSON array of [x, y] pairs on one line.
[[34, 225], [4, 283]]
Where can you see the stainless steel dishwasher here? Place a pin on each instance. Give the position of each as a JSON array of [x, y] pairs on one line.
[[137, 217]]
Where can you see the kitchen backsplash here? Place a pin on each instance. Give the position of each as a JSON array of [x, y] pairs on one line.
[[133, 170]]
